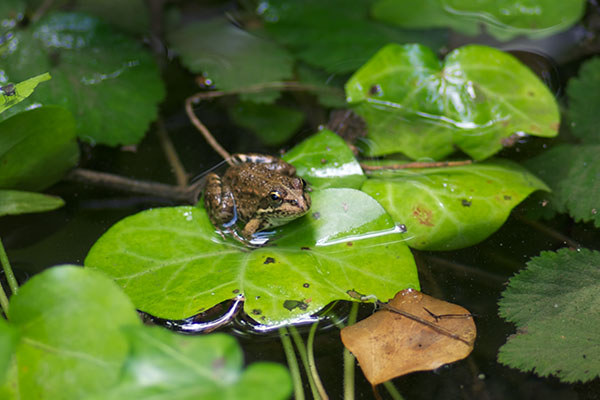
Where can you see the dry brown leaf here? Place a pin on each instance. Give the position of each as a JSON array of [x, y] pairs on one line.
[[404, 337]]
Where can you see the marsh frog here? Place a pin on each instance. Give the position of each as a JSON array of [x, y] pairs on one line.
[[259, 191]]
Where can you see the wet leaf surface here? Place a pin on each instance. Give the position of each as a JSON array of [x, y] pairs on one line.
[[554, 305], [36, 148], [388, 344], [454, 207], [14, 202], [163, 365], [476, 98], [71, 343], [325, 160], [173, 265], [106, 79], [503, 19], [584, 98]]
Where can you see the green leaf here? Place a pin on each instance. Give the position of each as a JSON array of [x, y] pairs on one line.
[[130, 15], [36, 148], [554, 303], [335, 35], [331, 85], [71, 344], [572, 173], [476, 98], [166, 365], [273, 124], [325, 160], [14, 202], [20, 91], [106, 79], [503, 19], [454, 207], [9, 337], [584, 98], [173, 265], [230, 57]]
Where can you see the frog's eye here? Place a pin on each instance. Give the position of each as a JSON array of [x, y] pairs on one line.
[[275, 196]]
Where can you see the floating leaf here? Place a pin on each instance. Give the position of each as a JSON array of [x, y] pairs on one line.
[[9, 337], [273, 124], [325, 160], [14, 202], [173, 265], [106, 79], [230, 57], [71, 344], [503, 19], [453, 207], [36, 148], [14, 94], [554, 303], [335, 35], [475, 99], [572, 173], [166, 365], [584, 98], [388, 344]]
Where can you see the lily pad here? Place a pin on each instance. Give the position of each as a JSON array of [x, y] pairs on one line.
[[476, 99], [36, 148], [231, 57], [335, 35], [584, 98], [173, 264], [9, 337], [454, 207], [108, 80], [503, 19], [48, 310], [14, 202], [325, 160], [554, 303], [12, 95], [166, 365], [273, 124]]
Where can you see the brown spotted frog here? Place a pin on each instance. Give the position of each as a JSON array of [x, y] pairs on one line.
[[257, 190]]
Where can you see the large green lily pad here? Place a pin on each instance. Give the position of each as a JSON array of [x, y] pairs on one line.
[[475, 99], [71, 344], [106, 79], [173, 264], [455, 207]]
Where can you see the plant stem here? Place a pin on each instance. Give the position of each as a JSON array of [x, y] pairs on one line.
[[8, 272], [392, 390], [311, 362], [302, 350], [349, 359], [415, 165], [292, 361], [167, 145]]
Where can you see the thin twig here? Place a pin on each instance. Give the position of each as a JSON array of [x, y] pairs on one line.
[[415, 165], [8, 272], [167, 145]]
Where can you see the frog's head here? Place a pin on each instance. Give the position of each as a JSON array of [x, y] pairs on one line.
[[284, 202]]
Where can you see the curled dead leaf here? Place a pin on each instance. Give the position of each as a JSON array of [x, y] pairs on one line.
[[413, 332]]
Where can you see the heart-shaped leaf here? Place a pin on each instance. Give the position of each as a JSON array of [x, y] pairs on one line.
[[71, 343], [13, 202], [475, 99], [108, 80], [454, 207], [325, 160], [173, 265], [36, 148], [166, 365]]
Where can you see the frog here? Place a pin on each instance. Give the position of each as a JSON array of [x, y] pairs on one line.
[[257, 191]]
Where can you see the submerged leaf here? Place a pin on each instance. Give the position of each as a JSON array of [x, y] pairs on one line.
[[36, 148], [554, 303], [11, 95], [453, 207], [584, 98], [14, 202], [166, 365], [475, 99], [173, 265], [389, 343]]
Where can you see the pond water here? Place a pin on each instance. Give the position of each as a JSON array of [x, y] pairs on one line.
[[473, 277]]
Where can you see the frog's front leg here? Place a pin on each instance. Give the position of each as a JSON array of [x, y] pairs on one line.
[[253, 226], [270, 162], [219, 202]]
